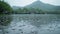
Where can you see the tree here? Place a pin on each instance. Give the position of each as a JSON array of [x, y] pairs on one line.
[[5, 8], [25, 10]]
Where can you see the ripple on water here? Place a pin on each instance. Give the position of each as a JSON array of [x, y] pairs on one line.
[[27, 24]]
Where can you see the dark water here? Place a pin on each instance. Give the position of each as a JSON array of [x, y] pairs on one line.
[[34, 24]]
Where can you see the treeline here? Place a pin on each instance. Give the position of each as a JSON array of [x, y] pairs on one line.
[[34, 11], [27, 11], [53, 12]]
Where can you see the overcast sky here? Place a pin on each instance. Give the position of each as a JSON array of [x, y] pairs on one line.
[[27, 2]]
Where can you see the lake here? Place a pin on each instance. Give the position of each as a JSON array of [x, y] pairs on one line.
[[34, 24]]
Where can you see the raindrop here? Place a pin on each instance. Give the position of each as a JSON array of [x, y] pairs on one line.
[[20, 26], [21, 32], [13, 29], [20, 29], [7, 32], [59, 27], [50, 27]]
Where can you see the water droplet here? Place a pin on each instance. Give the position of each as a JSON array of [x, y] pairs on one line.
[[20, 29], [7, 32], [13, 29], [58, 27], [21, 32]]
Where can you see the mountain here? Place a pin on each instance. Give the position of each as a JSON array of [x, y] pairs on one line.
[[15, 7], [43, 6]]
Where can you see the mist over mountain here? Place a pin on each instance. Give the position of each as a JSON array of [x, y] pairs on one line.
[[16, 7], [40, 5], [43, 6]]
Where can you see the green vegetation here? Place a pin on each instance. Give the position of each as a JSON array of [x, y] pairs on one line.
[[34, 11], [28, 11], [5, 8]]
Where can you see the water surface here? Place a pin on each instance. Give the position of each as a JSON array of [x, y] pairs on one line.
[[34, 24]]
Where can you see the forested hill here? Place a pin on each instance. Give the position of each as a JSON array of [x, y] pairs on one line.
[[37, 7], [43, 6]]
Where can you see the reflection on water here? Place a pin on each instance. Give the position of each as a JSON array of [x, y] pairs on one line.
[[4, 23], [5, 20], [34, 24]]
